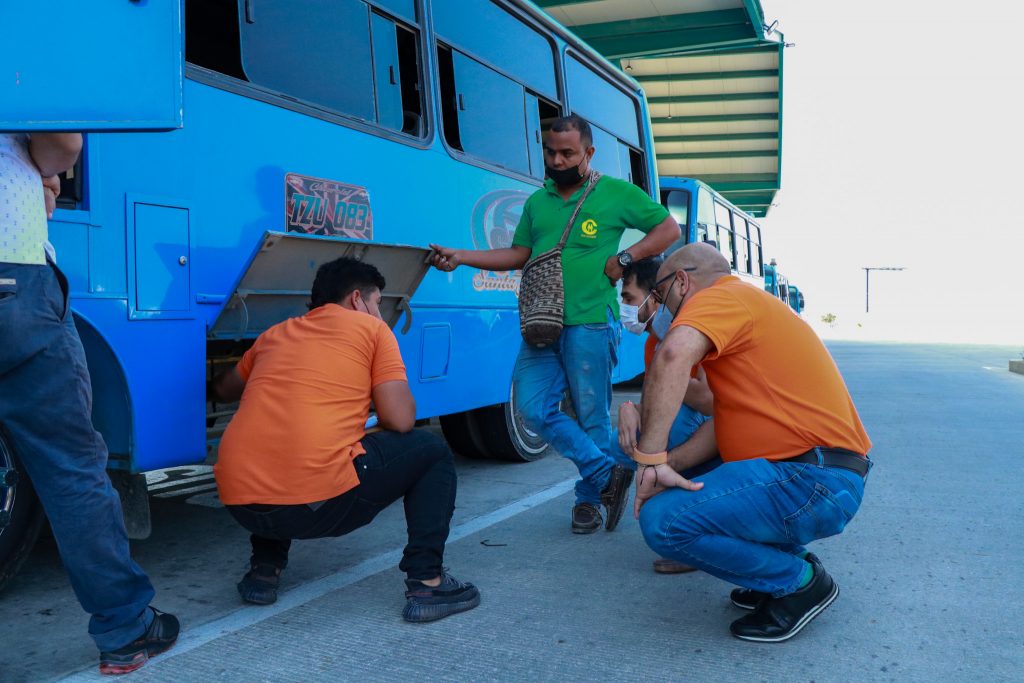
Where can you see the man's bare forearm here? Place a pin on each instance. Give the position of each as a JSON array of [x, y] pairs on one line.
[[657, 240], [698, 449], [55, 153], [663, 391], [511, 258]]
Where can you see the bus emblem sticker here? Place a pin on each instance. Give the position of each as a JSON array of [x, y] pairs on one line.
[[493, 225], [317, 206]]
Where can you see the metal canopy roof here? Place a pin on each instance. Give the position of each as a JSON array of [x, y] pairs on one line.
[[712, 72]]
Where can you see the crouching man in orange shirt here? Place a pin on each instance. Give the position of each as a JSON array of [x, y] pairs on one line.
[[296, 461], [793, 448]]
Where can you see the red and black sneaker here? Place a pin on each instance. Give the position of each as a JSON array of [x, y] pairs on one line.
[[159, 637]]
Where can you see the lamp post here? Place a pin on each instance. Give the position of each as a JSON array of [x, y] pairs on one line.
[[867, 283]]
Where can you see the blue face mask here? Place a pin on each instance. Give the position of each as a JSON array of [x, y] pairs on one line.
[[662, 322]]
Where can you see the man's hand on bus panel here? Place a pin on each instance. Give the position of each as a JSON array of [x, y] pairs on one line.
[[510, 258], [661, 237]]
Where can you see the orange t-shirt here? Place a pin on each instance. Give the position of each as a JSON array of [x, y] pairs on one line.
[[304, 408], [778, 393], [650, 346]]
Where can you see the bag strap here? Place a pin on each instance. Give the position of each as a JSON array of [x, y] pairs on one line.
[[594, 177]]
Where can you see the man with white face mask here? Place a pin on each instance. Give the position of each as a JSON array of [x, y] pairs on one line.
[[640, 313]]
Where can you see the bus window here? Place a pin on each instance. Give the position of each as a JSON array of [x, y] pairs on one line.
[[725, 245], [756, 262], [500, 40], [606, 157], [496, 95], [373, 75], [601, 103], [539, 115], [705, 208], [637, 168], [723, 217], [678, 204], [484, 111], [72, 195], [293, 47], [212, 38], [739, 228]]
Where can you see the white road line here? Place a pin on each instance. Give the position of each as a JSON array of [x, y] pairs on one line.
[[249, 616]]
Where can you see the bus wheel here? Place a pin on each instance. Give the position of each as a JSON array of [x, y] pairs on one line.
[[461, 433], [21, 515], [506, 435]]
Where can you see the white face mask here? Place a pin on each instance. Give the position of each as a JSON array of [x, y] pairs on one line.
[[629, 317]]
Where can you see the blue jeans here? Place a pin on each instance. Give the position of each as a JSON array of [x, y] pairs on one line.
[[582, 361], [45, 407], [686, 423], [752, 519]]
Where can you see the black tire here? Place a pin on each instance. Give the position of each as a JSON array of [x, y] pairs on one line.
[[463, 436], [505, 435], [24, 517]]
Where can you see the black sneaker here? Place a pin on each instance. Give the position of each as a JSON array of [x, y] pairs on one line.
[[259, 585], [615, 495], [159, 637], [748, 598], [425, 603], [586, 518], [778, 619]]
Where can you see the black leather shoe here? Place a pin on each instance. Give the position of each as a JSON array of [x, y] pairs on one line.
[[586, 518], [778, 619], [748, 598], [160, 636], [615, 495]]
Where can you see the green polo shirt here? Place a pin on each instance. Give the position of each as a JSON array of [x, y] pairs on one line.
[[613, 206]]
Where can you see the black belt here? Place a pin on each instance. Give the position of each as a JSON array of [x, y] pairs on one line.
[[834, 457]]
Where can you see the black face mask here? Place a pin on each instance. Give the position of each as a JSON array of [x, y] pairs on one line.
[[567, 177]]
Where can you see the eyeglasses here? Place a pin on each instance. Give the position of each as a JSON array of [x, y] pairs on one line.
[[656, 290]]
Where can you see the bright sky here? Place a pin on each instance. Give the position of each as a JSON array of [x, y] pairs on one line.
[[903, 146]]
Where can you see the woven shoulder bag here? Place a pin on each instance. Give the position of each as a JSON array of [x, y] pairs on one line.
[[541, 293]]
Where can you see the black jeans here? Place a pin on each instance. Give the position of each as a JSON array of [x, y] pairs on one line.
[[416, 466]]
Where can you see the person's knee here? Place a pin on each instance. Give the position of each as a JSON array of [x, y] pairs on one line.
[[662, 522], [435, 447]]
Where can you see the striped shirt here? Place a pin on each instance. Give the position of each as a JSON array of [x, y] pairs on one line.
[[22, 206]]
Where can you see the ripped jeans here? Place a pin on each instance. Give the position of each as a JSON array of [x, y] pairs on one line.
[[582, 361]]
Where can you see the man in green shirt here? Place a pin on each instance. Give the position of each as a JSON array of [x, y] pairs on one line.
[[585, 355]]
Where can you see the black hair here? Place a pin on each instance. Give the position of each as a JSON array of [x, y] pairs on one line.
[[337, 279], [645, 271], [574, 122]]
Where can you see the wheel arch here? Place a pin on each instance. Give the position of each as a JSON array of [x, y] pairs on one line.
[[111, 400]]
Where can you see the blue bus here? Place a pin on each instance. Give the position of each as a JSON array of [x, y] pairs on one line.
[[706, 216], [777, 284], [191, 225]]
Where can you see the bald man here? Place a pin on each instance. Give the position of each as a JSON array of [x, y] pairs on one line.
[[793, 448]]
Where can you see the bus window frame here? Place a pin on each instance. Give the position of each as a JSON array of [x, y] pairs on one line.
[[435, 85], [254, 91]]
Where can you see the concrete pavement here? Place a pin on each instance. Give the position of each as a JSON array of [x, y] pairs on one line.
[[929, 571]]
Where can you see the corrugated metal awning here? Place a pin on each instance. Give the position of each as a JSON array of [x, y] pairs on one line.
[[712, 72]]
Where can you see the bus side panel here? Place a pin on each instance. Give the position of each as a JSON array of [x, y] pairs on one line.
[[164, 365]]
